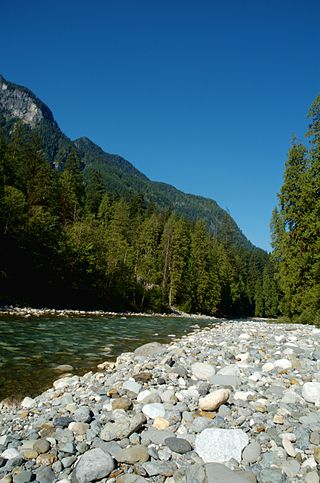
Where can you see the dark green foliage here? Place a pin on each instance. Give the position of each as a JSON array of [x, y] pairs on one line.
[[296, 228]]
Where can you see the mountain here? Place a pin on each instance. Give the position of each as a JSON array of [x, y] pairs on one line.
[[119, 175]]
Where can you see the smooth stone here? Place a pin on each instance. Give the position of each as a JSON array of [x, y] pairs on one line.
[[122, 428], [63, 421], [10, 454], [46, 459], [202, 370], [121, 403], [78, 428], [143, 394], [283, 364], [30, 454], [160, 423], [267, 367], [68, 461], [133, 455], [150, 349], [251, 453], [178, 445], [22, 477], [230, 370], [214, 400], [83, 415], [28, 403], [311, 392], [132, 386], [316, 455], [218, 473], [64, 368], [154, 410], [45, 475], [270, 476], [92, 465], [221, 380], [288, 446], [155, 436], [64, 382], [41, 445], [163, 468], [215, 445]]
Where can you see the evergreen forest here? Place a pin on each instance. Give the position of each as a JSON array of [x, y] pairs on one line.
[[68, 241], [296, 227]]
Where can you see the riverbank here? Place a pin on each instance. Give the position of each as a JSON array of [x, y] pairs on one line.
[[237, 402], [36, 312]]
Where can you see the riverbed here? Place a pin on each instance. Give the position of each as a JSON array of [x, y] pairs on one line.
[[31, 348]]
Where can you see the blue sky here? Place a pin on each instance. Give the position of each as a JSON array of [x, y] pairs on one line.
[[203, 95]]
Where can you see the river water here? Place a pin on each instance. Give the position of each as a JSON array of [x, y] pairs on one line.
[[31, 348]]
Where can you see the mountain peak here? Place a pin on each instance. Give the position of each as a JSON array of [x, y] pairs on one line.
[[20, 103]]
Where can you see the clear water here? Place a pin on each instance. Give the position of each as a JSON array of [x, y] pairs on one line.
[[31, 348]]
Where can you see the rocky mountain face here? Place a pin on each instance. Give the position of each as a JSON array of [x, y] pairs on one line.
[[20, 103], [119, 175]]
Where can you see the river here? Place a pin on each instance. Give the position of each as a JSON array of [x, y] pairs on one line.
[[31, 348]]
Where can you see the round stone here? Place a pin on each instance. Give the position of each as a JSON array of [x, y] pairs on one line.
[[178, 445]]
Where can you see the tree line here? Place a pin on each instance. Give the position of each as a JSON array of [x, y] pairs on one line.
[[65, 241], [296, 227]]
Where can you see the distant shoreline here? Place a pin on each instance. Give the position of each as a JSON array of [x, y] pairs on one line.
[[38, 312]]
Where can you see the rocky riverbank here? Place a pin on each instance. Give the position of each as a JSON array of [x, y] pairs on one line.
[[237, 402]]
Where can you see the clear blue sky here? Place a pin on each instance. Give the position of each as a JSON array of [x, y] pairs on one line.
[[204, 95]]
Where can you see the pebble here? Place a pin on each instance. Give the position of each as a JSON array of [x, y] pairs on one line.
[[240, 400]]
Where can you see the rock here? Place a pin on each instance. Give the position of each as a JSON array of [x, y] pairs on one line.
[[122, 428], [202, 370], [68, 461], [312, 477], [46, 459], [130, 479], [121, 403], [78, 428], [65, 382], [316, 455], [221, 380], [283, 364], [149, 349], [64, 368], [83, 415], [45, 475], [63, 421], [10, 454], [267, 367], [215, 445], [213, 401], [251, 453], [135, 454], [132, 386], [92, 465], [30, 454], [22, 477], [41, 445], [163, 468], [161, 423], [288, 446], [311, 392], [218, 473], [230, 370], [154, 410], [28, 403], [178, 445], [291, 468]]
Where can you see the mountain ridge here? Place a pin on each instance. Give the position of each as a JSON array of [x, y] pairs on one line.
[[119, 175]]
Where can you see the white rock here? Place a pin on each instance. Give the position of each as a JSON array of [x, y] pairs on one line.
[[202, 370], [243, 395], [10, 453], [214, 400], [65, 382], [216, 445], [28, 402], [311, 392], [288, 446], [283, 364], [154, 410], [267, 367], [311, 477], [143, 394], [230, 370], [132, 386]]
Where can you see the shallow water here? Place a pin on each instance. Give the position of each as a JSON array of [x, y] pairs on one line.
[[31, 348]]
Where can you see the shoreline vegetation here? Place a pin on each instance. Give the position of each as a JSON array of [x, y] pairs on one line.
[[237, 400]]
